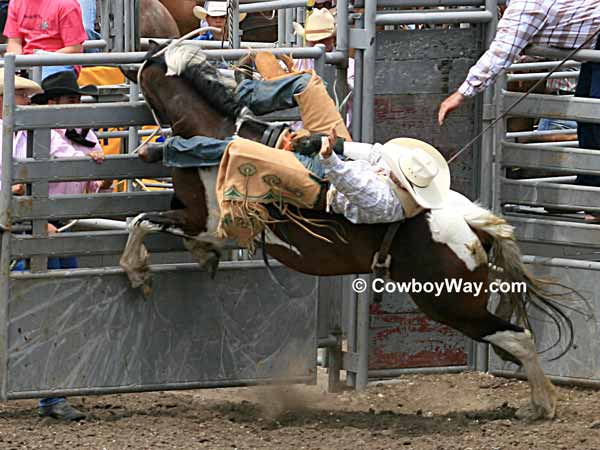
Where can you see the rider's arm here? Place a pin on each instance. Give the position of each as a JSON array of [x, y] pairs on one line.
[[366, 196]]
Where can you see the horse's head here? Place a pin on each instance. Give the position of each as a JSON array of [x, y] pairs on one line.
[[186, 91]]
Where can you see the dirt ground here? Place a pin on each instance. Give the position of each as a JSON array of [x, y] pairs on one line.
[[421, 412]]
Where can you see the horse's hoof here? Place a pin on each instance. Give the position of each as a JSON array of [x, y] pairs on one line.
[[533, 412], [147, 288], [212, 264]]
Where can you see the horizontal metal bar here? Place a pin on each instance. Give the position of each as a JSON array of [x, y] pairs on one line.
[[556, 53], [88, 243], [540, 75], [156, 387], [562, 262], [89, 44], [391, 373], [75, 169], [101, 115], [537, 133], [561, 196], [565, 159], [154, 268], [61, 59], [565, 381], [553, 106], [271, 5], [145, 42], [428, 3], [541, 65], [94, 205], [433, 17], [555, 232], [124, 134], [100, 224]]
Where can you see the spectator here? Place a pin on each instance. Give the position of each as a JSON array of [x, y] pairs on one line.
[[554, 23], [88, 13], [214, 15], [51, 26]]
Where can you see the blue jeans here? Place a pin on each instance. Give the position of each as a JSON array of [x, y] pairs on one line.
[[588, 86], [198, 151], [264, 97], [68, 262], [88, 13], [556, 124]]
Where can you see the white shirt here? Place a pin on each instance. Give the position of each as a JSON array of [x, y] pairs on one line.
[[361, 191]]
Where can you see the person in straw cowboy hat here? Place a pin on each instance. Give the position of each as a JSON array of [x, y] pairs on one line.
[[399, 180], [214, 13]]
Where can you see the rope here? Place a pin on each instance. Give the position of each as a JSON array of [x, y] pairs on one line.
[[520, 99]]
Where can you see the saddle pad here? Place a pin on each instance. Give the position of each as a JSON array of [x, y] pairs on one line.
[[251, 176]]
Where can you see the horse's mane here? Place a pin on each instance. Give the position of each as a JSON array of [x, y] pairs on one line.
[[190, 62]]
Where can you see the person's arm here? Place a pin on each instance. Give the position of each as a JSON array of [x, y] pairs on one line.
[[367, 198], [522, 20], [12, 32], [15, 45], [71, 31], [71, 49]]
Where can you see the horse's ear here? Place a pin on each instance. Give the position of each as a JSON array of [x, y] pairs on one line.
[[130, 72]]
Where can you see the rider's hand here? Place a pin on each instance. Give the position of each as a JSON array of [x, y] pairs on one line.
[[326, 148], [449, 105]]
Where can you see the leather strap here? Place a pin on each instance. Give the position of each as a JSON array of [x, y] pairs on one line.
[[382, 258]]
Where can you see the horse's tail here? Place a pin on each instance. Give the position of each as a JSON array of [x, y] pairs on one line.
[[525, 289]]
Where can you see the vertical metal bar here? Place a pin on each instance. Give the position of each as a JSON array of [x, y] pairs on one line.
[[132, 137], [362, 339], [368, 74], [36, 74], [8, 108], [106, 25], [300, 15], [351, 298], [357, 95], [487, 144], [126, 27], [281, 28], [40, 149], [320, 61], [118, 16], [334, 366], [289, 27], [487, 173], [234, 23], [342, 37]]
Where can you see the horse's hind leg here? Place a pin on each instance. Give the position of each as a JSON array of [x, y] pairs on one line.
[[543, 395], [513, 343]]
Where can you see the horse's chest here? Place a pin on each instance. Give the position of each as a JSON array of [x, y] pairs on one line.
[[209, 179]]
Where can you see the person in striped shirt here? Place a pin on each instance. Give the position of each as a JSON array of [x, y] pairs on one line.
[[564, 24]]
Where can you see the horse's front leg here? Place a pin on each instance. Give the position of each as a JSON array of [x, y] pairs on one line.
[[134, 259]]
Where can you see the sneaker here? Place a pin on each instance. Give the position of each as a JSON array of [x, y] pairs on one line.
[[61, 411]]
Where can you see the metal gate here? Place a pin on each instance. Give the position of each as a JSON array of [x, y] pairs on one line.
[[558, 246], [85, 330]]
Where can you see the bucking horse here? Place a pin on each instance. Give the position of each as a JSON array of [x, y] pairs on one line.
[[463, 241]]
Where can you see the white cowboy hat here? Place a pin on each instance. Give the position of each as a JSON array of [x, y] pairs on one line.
[[319, 25], [21, 84], [421, 170], [213, 9]]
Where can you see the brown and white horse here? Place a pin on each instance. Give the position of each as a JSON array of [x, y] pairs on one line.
[[456, 243]]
